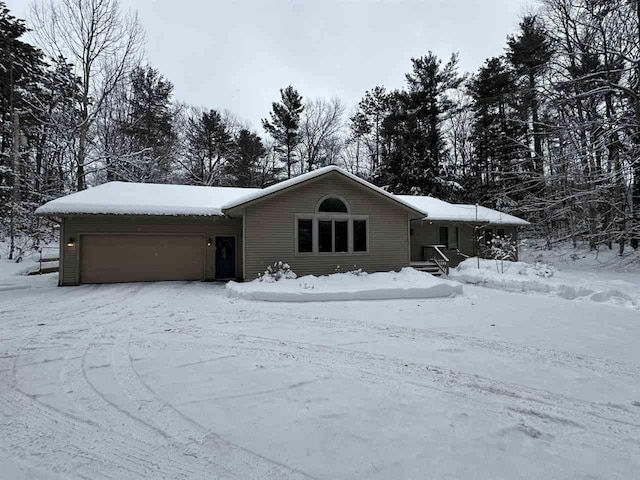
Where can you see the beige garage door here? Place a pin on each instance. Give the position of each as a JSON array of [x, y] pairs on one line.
[[141, 258]]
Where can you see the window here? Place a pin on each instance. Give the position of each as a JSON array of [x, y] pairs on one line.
[[305, 235], [333, 205], [341, 236], [333, 236], [359, 235], [448, 236], [325, 236], [443, 238], [332, 229], [500, 232], [453, 238]]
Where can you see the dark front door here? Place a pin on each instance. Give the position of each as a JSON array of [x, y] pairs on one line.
[[225, 258]]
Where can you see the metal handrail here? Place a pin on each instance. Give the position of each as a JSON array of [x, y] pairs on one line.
[[442, 262]]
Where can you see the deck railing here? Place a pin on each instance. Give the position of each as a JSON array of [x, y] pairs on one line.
[[434, 253]]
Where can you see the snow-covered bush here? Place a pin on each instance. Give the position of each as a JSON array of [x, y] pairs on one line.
[[501, 248], [278, 271], [357, 272]]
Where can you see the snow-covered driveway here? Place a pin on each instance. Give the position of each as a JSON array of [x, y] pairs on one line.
[[176, 380]]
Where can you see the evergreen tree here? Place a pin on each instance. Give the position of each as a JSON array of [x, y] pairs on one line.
[[496, 131], [210, 145], [415, 160], [21, 67], [366, 124], [250, 150], [149, 128], [284, 124], [530, 52]]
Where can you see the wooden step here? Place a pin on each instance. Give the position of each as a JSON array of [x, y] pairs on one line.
[[431, 268]]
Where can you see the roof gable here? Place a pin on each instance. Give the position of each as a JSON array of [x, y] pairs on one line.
[[278, 188]]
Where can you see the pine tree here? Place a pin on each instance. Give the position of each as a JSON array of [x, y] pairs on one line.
[[250, 150], [21, 67], [366, 124], [530, 52], [149, 128], [414, 161], [210, 145], [496, 131], [284, 125]]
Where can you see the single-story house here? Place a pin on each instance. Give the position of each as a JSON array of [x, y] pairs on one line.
[[321, 222]]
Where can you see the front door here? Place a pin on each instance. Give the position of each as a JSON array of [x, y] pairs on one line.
[[225, 258]]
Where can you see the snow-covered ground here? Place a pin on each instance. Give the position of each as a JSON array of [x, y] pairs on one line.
[[541, 278], [408, 283], [13, 274], [176, 380]]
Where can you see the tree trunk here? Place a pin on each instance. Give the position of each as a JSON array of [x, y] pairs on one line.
[[15, 200]]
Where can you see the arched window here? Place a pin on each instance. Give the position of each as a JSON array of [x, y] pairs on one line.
[[333, 205], [332, 229]]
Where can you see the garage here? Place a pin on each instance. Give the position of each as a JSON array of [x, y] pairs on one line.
[[111, 258]]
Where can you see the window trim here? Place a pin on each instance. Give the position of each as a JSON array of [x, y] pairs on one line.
[[352, 238], [297, 236], [333, 217], [339, 197], [313, 231], [449, 228]]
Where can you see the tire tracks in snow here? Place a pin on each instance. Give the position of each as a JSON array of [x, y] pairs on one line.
[[552, 412], [35, 427], [197, 439], [509, 349], [131, 444]]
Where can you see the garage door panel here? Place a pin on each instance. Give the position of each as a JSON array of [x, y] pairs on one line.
[[141, 258]]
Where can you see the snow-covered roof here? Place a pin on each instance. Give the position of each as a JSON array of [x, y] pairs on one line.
[[440, 210], [122, 198], [145, 199], [256, 195]]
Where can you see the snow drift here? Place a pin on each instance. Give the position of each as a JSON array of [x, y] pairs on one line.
[[407, 283], [537, 278]]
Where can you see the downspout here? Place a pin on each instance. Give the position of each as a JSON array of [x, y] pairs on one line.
[[60, 251], [244, 243]]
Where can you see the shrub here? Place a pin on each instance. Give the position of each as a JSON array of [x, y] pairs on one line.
[[278, 271]]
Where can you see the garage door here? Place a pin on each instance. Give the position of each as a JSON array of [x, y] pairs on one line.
[[141, 258]]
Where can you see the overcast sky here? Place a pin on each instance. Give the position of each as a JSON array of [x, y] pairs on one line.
[[235, 55]]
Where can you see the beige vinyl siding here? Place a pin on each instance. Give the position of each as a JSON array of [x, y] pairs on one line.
[[270, 230], [427, 233], [77, 226]]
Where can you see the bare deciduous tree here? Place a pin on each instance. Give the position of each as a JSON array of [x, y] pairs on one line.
[[102, 43], [321, 125]]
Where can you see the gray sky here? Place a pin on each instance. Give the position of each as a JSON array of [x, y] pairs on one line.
[[236, 54]]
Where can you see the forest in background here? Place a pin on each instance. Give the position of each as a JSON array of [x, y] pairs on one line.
[[548, 129]]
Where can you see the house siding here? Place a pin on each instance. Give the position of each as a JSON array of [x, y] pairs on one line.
[[270, 230], [427, 233], [77, 226]]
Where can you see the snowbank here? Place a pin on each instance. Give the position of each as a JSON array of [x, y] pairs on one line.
[[408, 283], [538, 278]]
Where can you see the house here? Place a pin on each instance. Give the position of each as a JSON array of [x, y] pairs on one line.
[[321, 222]]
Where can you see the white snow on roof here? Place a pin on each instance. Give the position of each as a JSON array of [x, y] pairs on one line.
[[308, 176], [144, 199], [121, 198], [439, 210]]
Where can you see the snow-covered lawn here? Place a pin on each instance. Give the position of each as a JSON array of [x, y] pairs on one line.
[[176, 380], [596, 286], [408, 283]]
